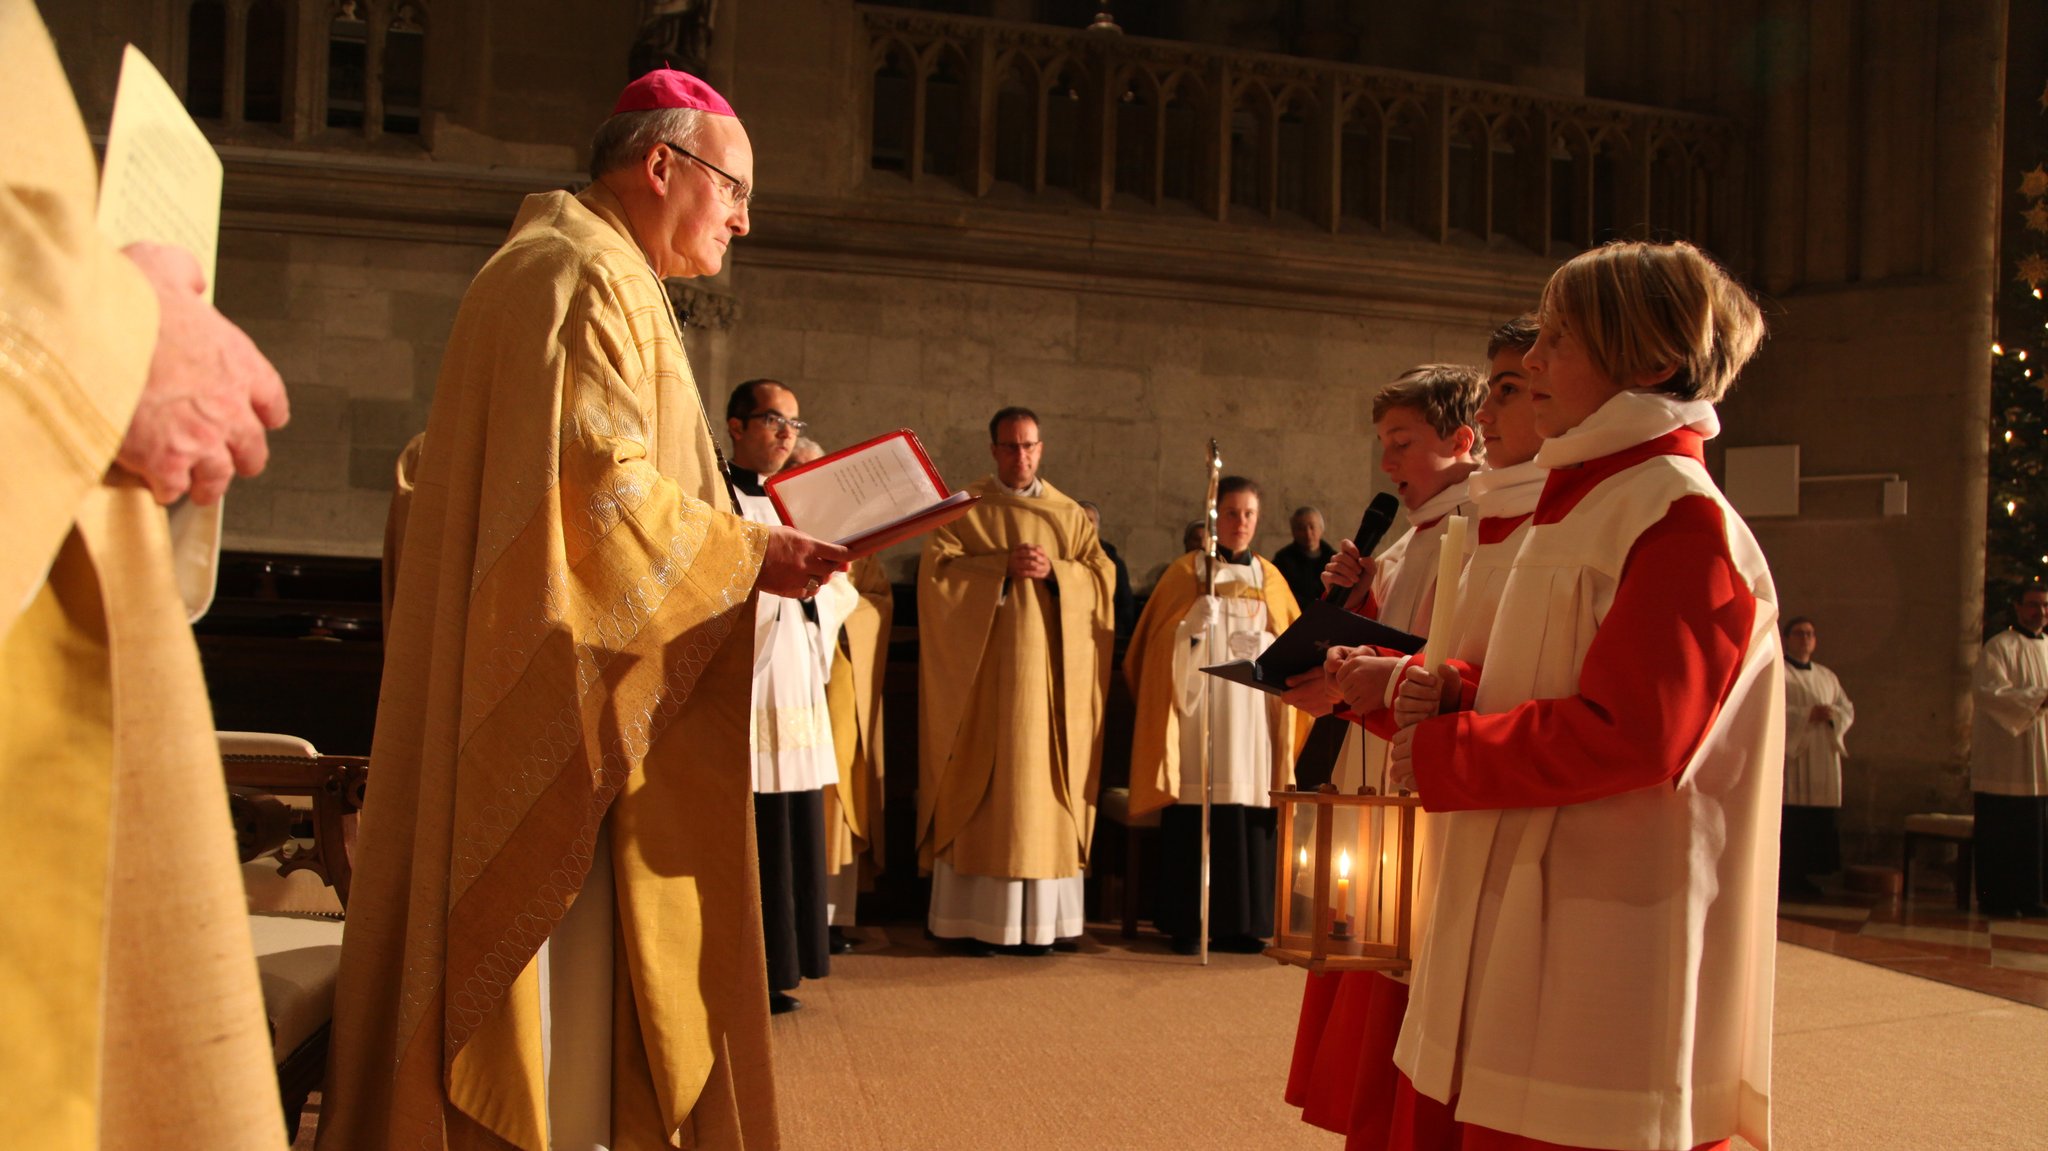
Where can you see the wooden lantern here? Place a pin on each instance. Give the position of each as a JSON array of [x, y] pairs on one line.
[[1346, 879]]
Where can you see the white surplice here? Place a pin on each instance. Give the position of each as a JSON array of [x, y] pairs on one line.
[[791, 727], [2009, 748], [1814, 750], [1240, 722]]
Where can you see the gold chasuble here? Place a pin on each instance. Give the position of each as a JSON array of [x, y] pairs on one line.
[[853, 806], [130, 1014], [1012, 675], [568, 647], [1148, 668]]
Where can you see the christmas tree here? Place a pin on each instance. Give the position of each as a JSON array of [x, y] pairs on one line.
[[2015, 545]]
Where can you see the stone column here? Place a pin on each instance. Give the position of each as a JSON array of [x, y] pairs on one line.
[[236, 72]]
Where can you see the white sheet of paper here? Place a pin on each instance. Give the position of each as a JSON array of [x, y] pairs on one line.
[[846, 497], [162, 183], [162, 179]]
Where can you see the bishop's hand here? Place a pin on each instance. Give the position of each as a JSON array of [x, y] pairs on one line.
[[210, 398], [796, 564]]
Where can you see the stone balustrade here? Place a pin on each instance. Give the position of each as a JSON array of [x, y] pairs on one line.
[[1011, 112]]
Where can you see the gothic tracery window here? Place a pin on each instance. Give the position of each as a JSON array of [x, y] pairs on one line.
[[405, 60], [266, 56], [348, 63], [206, 59]]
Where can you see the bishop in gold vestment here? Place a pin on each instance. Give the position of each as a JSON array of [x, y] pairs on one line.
[[1014, 623], [130, 1015], [562, 732]]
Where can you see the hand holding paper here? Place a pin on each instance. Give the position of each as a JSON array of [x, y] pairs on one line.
[[210, 397]]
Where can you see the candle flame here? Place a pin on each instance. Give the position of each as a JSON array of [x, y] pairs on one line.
[[1344, 865], [1301, 857]]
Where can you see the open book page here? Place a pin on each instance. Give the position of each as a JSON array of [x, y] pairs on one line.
[[862, 488], [162, 183]]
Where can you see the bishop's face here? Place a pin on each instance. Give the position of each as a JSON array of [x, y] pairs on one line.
[[702, 209]]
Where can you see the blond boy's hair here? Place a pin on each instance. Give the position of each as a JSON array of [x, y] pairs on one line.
[[1446, 396], [1641, 308]]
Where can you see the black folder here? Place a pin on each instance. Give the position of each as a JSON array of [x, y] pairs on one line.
[[1302, 647]]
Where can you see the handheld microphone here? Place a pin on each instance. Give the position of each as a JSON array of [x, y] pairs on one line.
[[1372, 527]]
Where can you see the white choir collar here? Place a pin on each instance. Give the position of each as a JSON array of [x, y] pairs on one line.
[[1508, 491], [1438, 506], [1031, 491], [1628, 419]]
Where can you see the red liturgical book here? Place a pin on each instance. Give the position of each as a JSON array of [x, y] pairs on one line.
[[868, 496]]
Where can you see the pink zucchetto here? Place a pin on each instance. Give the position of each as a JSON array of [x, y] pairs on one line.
[[668, 88]]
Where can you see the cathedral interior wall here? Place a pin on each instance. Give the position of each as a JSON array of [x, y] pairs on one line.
[[1139, 335]]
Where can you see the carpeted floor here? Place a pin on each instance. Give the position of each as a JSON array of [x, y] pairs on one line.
[[1130, 1048], [1126, 1047]]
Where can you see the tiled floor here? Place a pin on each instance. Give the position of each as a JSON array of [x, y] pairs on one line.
[[1927, 937]]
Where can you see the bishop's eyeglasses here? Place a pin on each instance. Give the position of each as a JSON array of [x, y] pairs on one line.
[[737, 192]]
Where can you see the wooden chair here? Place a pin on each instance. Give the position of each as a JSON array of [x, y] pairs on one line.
[[1930, 826], [295, 815], [1114, 805]]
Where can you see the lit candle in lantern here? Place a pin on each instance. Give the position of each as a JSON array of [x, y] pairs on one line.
[[1340, 923]]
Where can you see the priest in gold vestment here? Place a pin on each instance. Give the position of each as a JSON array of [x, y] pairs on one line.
[[853, 806], [1014, 625], [554, 939], [130, 1014]]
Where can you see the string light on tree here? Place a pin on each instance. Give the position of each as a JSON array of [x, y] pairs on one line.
[[2016, 543]]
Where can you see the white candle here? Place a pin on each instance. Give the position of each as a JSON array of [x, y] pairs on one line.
[[1344, 886], [1450, 565]]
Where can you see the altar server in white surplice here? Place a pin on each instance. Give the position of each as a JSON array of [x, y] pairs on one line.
[[1251, 734], [2009, 763], [1599, 968], [1817, 715], [1343, 1075], [795, 641]]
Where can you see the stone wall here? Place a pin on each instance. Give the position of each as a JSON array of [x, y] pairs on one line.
[[1129, 387], [1869, 139], [356, 326]]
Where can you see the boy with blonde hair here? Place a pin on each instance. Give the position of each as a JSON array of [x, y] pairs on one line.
[[1598, 968]]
